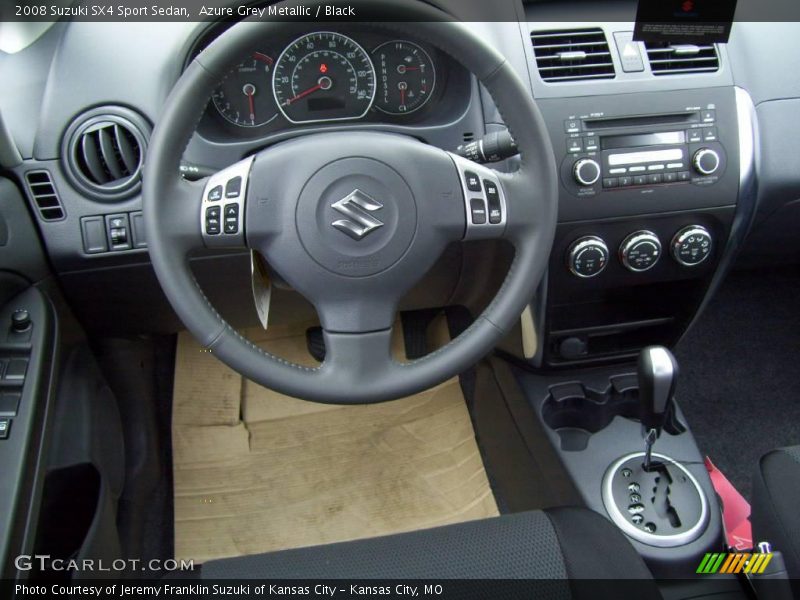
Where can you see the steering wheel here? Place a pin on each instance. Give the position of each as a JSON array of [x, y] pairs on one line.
[[351, 220]]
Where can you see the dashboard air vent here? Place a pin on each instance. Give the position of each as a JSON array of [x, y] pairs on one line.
[[572, 55], [674, 59], [104, 152], [44, 194]]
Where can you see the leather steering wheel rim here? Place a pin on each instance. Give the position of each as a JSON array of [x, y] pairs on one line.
[[358, 367]]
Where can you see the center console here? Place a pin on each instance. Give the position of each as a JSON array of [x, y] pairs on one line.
[[648, 197], [666, 505], [654, 146]]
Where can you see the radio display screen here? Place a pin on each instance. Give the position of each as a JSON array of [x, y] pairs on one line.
[[642, 139]]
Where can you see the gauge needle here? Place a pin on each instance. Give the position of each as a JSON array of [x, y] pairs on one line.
[[249, 90], [324, 83], [310, 90]]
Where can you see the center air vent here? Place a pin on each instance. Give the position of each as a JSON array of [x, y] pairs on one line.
[[104, 151], [571, 55], [673, 59]]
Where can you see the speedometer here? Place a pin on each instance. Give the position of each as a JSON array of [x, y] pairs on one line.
[[323, 76]]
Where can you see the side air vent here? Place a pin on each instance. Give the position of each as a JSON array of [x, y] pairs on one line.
[[572, 55], [44, 195], [104, 152], [674, 59]]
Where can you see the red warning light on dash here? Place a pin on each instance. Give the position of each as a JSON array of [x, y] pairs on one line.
[[323, 68]]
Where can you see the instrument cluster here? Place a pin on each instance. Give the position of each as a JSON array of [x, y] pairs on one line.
[[330, 76]]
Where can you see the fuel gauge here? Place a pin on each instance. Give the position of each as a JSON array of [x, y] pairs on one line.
[[406, 77]]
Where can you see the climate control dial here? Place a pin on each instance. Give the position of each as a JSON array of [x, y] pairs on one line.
[[640, 251], [691, 245], [705, 161], [586, 171], [587, 256]]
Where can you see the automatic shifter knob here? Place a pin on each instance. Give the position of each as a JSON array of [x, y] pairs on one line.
[[658, 374]]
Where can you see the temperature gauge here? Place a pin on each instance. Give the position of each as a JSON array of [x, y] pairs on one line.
[[406, 77]]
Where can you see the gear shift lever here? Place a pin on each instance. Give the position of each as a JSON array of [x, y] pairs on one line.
[[658, 373]]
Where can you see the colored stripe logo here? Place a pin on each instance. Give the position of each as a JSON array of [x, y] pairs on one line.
[[739, 562]]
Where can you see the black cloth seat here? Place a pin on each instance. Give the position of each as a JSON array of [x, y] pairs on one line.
[[774, 515], [563, 545]]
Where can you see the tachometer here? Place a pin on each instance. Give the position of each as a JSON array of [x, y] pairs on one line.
[[323, 76], [406, 77], [244, 97]]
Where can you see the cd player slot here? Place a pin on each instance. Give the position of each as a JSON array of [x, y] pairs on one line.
[[639, 158], [632, 140], [682, 118]]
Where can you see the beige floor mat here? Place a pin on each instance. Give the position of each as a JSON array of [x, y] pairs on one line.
[[257, 471]]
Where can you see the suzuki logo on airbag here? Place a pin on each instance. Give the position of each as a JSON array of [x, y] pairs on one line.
[[357, 206]]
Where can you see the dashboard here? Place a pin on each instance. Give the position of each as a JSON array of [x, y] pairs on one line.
[[332, 77], [347, 75]]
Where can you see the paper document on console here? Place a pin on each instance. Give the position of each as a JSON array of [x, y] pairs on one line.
[[262, 286]]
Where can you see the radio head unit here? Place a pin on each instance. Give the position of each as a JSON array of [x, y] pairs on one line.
[[619, 152]]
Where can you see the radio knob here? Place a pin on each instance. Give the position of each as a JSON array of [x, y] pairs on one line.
[[640, 251], [586, 171], [705, 161], [691, 245], [587, 256]]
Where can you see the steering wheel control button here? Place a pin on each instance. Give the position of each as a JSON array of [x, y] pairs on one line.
[[233, 188], [231, 218], [587, 257], [215, 194], [493, 199], [223, 225], [213, 220], [478, 210], [473, 181], [484, 200], [640, 251], [691, 245], [118, 230], [586, 171]]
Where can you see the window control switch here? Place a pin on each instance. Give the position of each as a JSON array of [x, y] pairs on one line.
[[16, 369], [9, 404]]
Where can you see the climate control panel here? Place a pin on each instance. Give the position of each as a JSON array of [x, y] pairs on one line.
[[587, 256], [691, 245], [639, 251]]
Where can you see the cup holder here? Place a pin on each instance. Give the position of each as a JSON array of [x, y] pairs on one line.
[[576, 412]]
